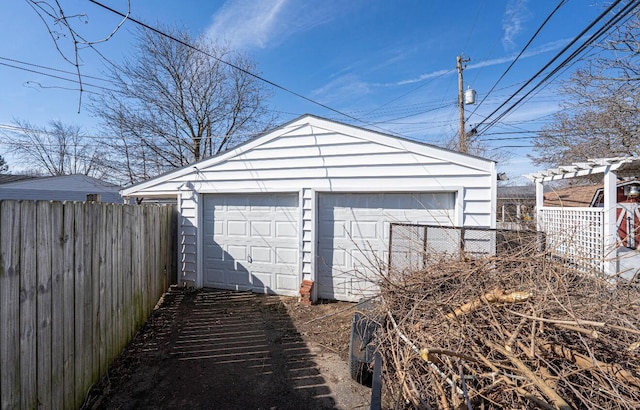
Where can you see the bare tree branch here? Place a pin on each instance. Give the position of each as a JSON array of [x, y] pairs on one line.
[[601, 114], [175, 104], [52, 15], [58, 149]]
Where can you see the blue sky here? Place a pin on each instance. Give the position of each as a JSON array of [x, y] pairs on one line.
[[390, 64]]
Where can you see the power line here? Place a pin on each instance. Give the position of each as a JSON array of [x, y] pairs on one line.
[[52, 69], [570, 61], [511, 138], [235, 67], [544, 23], [510, 146], [56, 77], [556, 57]]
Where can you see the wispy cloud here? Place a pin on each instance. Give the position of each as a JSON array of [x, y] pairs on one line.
[[515, 15], [545, 48], [336, 89], [246, 24], [417, 79]]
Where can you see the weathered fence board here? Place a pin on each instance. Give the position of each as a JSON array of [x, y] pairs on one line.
[[43, 304], [9, 308], [28, 316], [88, 344], [57, 314], [82, 339], [76, 282], [68, 296]]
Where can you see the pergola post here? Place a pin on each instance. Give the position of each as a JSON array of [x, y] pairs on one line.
[[539, 203], [609, 221]]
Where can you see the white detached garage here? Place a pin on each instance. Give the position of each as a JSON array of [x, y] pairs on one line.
[[313, 200]]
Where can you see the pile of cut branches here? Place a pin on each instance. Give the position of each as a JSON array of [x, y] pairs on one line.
[[510, 332]]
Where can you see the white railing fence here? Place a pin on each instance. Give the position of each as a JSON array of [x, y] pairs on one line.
[[575, 235]]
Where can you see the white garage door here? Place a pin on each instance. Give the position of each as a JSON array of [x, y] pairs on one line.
[[353, 236], [250, 242]]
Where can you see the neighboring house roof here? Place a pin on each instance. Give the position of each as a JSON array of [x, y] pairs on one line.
[[8, 178], [517, 192], [578, 196], [60, 188], [598, 197]]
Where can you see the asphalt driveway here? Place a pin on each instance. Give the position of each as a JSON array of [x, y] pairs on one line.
[[208, 349]]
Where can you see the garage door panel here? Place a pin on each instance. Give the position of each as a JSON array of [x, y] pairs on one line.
[[214, 276], [329, 229], [214, 254], [261, 280], [355, 226], [261, 229], [287, 256], [363, 230], [332, 258], [236, 228], [261, 254], [287, 229], [239, 208], [249, 240], [362, 260], [237, 252], [331, 286], [239, 278], [287, 282]]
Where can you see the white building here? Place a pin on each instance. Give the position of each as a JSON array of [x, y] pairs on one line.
[[313, 200], [76, 187]]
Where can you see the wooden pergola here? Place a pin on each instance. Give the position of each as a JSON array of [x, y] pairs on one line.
[[612, 170]]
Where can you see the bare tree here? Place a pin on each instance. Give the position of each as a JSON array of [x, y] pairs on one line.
[[601, 114], [177, 102], [4, 167], [58, 149]]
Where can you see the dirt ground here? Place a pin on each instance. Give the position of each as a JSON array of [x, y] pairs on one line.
[[208, 349]]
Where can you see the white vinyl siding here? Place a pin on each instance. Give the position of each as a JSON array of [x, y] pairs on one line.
[[187, 237]]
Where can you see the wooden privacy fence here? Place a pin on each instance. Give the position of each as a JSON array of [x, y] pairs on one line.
[[76, 282]]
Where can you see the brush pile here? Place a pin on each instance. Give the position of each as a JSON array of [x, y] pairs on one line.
[[515, 331]]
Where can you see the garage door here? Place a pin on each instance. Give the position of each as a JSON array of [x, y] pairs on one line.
[[353, 236], [250, 242]]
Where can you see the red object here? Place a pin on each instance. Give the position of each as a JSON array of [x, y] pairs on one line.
[[305, 292]]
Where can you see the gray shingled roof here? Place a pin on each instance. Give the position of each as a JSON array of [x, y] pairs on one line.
[[8, 178], [60, 188], [517, 192]]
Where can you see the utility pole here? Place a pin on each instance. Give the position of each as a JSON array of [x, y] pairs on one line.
[[463, 145]]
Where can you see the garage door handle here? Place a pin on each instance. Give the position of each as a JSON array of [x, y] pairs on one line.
[[249, 259]]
